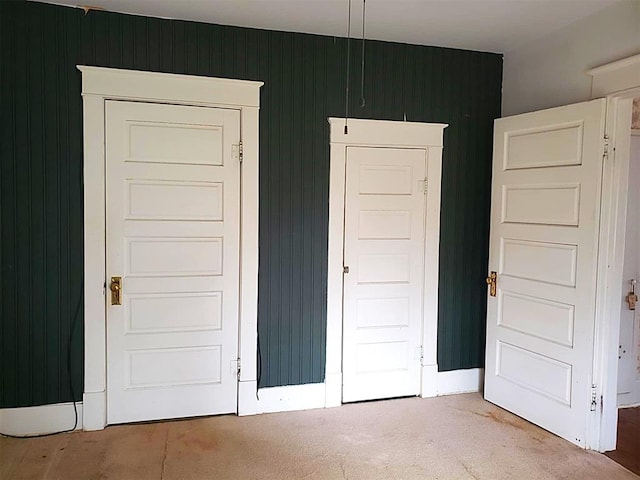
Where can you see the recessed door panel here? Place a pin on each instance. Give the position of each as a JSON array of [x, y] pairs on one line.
[[534, 372], [149, 200], [549, 204], [174, 142], [181, 366], [382, 312], [537, 316], [166, 312], [171, 256], [540, 261], [384, 224], [552, 145]]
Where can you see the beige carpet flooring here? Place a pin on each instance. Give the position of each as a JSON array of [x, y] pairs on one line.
[[456, 437]]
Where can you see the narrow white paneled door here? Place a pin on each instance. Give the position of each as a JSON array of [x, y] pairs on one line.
[[383, 288], [547, 170], [172, 235]]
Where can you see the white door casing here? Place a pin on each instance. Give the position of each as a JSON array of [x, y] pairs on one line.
[[547, 172], [102, 84], [385, 198], [629, 350], [620, 82], [173, 211], [382, 134]]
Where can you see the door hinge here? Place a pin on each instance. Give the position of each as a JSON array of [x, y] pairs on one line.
[[235, 367], [238, 152], [605, 154], [425, 185], [419, 353], [594, 398]]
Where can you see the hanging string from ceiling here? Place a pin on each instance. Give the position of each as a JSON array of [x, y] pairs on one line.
[[346, 93], [362, 101]]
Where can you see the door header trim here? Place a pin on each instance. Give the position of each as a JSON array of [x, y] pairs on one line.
[[168, 87], [386, 133], [615, 77]]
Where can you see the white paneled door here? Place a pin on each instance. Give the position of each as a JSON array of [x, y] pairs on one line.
[[173, 190], [547, 169], [384, 272]]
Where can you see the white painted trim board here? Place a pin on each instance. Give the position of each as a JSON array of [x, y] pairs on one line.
[[291, 398], [39, 420], [615, 77], [460, 381], [316, 395], [58, 417], [620, 82]]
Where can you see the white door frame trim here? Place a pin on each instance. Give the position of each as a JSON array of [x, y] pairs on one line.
[[101, 84], [383, 134], [620, 83]]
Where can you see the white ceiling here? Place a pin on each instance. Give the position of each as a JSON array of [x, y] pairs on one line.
[[483, 25]]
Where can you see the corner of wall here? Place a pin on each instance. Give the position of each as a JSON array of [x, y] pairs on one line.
[[552, 71]]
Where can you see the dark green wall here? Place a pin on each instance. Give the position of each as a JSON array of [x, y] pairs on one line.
[[41, 243]]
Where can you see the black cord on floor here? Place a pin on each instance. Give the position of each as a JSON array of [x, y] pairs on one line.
[[259, 368], [71, 389]]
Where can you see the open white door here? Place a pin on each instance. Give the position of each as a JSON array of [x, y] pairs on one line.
[[384, 238], [547, 169], [173, 209]]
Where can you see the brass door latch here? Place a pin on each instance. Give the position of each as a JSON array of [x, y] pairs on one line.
[[632, 298], [492, 281], [116, 290]]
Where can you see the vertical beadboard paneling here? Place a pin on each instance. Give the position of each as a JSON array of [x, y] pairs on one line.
[[40, 204], [41, 176], [8, 200]]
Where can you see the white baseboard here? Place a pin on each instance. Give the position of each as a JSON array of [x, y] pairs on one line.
[[247, 400], [292, 397], [333, 394], [94, 410], [54, 418], [429, 385], [328, 394], [39, 420], [460, 381], [628, 400]]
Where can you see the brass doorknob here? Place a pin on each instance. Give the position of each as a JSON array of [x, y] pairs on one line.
[[116, 289], [492, 281]]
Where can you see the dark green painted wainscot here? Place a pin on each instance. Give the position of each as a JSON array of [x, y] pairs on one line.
[[41, 249]]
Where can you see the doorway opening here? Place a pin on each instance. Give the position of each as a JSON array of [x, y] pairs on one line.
[[628, 381]]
